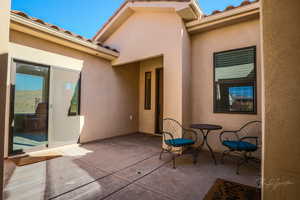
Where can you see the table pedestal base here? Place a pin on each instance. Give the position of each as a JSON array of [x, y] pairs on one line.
[[205, 134]]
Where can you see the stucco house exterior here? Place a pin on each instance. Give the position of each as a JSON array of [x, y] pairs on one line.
[[156, 59], [151, 60]]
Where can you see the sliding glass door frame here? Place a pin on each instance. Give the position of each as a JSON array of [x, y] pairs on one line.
[[13, 74]]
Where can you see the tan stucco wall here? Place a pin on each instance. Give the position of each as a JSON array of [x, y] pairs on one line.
[[148, 34], [186, 51], [109, 94], [147, 117], [203, 46], [4, 63], [281, 43]]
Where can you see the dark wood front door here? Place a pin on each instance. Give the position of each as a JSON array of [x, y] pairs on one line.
[[159, 100]]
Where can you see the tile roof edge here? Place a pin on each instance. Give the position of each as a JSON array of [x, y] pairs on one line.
[[231, 7], [60, 30]]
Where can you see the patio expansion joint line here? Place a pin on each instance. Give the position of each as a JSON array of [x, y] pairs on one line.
[[134, 181], [144, 186], [147, 187], [109, 174]]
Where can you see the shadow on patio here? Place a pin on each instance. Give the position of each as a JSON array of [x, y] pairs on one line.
[[125, 167]]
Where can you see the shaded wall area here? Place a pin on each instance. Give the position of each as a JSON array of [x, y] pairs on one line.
[[4, 63], [203, 47], [281, 43], [147, 117], [109, 95]]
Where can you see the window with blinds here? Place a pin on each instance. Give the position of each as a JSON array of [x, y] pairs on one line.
[[235, 81]]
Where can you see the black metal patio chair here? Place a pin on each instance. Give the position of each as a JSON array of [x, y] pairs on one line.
[[172, 132], [244, 141]]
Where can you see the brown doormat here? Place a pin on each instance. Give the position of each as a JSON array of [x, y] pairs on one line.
[[224, 190], [31, 159]]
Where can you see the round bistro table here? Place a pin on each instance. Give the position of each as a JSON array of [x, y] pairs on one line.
[[205, 130]]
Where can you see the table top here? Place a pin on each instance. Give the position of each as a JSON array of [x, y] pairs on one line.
[[206, 126]]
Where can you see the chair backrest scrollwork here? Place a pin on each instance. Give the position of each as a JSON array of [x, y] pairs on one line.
[[172, 126]]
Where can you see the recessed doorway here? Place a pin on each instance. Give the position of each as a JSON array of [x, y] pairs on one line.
[[159, 100]]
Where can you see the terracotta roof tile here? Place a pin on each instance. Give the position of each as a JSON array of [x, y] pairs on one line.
[[246, 2], [215, 12], [57, 28], [230, 7], [20, 13], [79, 36], [38, 20]]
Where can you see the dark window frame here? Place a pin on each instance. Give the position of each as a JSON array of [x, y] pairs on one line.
[[147, 93], [71, 114], [254, 112]]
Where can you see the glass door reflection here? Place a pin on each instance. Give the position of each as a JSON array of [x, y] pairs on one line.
[[30, 108]]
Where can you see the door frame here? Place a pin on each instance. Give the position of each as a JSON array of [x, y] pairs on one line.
[[13, 73], [157, 97]]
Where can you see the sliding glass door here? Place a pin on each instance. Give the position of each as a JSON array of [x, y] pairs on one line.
[[29, 108], [45, 107]]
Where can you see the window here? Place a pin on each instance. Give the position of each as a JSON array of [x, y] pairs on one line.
[[74, 108], [235, 81], [148, 91]]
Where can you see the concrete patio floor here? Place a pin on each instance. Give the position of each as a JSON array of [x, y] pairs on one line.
[[125, 167]]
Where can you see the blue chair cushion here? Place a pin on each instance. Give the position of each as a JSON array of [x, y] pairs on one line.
[[240, 145], [179, 142]]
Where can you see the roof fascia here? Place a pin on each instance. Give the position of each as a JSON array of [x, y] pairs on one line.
[[114, 23], [226, 18], [188, 11], [35, 29]]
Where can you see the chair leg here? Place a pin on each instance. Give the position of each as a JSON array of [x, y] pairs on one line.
[[196, 152], [238, 167], [162, 151], [241, 162], [225, 153], [174, 156]]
